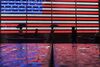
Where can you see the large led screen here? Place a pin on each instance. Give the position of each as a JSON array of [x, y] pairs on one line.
[[41, 14]]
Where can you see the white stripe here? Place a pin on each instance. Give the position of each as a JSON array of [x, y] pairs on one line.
[[87, 15], [13, 21], [57, 15], [83, 3], [71, 9], [87, 28], [49, 15], [58, 2], [87, 3], [13, 14], [38, 21], [62, 28], [49, 21], [79, 9], [64, 22], [63, 9], [88, 22], [44, 15], [59, 9], [40, 28], [40, 2], [40, 15], [25, 21], [8, 28], [49, 28]]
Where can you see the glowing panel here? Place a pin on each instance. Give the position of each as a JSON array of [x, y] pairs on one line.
[[41, 14]]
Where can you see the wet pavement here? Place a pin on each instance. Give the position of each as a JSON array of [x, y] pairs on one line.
[[38, 55]]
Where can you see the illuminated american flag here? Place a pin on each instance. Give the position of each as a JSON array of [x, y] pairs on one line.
[[40, 14]]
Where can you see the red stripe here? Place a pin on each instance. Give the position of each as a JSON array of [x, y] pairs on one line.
[[12, 18], [76, 0], [68, 31], [67, 12], [8, 32], [88, 25], [88, 31], [68, 6], [11, 25], [18, 18], [88, 19], [48, 19], [43, 25], [87, 12]]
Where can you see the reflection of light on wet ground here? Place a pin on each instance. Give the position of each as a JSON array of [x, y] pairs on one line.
[[25, 55], [38, 55], [83, 55]]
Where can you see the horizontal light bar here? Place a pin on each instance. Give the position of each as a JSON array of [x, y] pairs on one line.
[[87, 15], [87, 28], [66, 9], [58, 2], [49, 24], [67, 31], [71, 9], [86, 3], [49, 2], [49, 28], [49, 15], [37, 21], [48, 5], [67, 6], [21, 12], [56, 12], [49, 21], [13, 21], [88, 22], [49, 12], [13, 14], [77, 0]]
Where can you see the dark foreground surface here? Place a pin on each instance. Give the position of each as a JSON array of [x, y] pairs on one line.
[[38, 55]]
